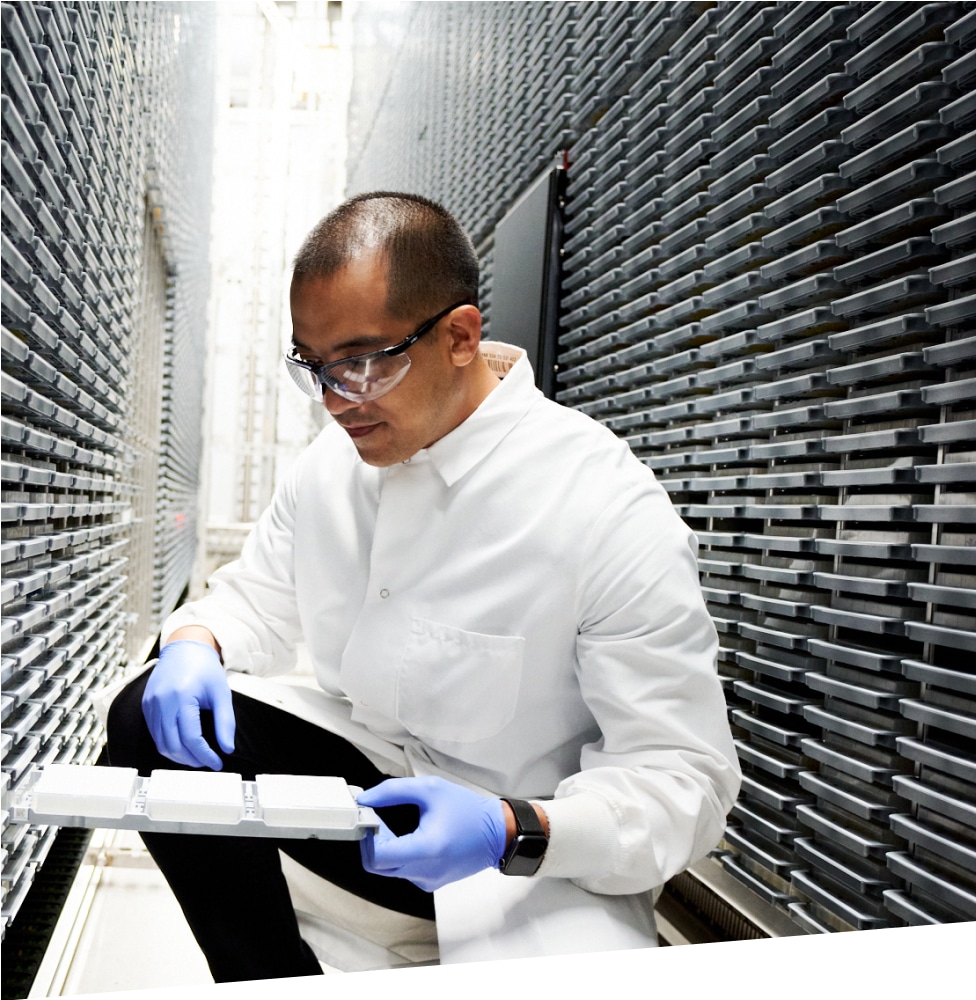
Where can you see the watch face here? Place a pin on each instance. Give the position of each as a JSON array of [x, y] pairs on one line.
[[524, 855], [531, 846]]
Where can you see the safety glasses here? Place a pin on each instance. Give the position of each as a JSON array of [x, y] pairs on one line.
[[364, 376]]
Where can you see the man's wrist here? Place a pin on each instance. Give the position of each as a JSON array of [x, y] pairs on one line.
[[194, 633]]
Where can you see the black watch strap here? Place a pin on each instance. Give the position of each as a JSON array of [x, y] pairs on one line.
[[528, 846]]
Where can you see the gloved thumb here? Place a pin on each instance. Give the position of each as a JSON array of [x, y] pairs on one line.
[[370, 843], [391, 792]]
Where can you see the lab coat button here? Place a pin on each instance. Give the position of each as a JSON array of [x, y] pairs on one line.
[[384, 593]]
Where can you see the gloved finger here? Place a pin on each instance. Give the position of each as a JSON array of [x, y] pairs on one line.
[[225, 724], [396, 792], [393, 853], [167, 732], [172, 749], [151, 715], [196, 748]]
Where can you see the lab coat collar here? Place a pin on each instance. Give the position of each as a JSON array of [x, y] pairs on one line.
[[459, 451]]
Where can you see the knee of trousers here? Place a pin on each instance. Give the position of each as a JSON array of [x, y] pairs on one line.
[[128, 741]]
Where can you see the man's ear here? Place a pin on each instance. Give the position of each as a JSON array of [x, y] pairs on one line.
[[464, 335]]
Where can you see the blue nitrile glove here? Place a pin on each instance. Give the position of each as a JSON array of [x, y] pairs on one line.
[[188, 677], [460, 832]]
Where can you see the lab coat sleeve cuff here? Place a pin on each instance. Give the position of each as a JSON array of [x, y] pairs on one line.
[[583, 837], [239, 649]]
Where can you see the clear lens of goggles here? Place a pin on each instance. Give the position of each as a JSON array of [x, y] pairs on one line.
[[361, 380]]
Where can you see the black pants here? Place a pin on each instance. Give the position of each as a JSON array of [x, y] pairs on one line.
[[232, 889]]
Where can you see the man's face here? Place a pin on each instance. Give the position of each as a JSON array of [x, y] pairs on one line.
[[345, 315]]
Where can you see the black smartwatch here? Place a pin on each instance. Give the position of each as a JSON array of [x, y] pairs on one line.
[[528, 846]]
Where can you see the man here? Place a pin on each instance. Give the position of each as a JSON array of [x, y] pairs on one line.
[[492, 590]]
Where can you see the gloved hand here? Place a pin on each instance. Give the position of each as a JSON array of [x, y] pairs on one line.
[[188, 677], [460, 832]]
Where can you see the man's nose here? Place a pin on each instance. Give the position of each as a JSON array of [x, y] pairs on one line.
[[337, 404]]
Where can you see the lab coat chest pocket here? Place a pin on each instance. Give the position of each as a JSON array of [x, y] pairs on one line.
[[457, 686]]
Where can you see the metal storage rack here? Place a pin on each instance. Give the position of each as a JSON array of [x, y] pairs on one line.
[[104, 224], [767, 291]]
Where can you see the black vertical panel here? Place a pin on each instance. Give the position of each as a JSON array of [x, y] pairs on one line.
[[525, 309]]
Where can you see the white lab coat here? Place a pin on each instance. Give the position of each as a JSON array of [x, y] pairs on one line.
[[516, 608]]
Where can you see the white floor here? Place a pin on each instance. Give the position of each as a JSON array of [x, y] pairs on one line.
[[121, 928]]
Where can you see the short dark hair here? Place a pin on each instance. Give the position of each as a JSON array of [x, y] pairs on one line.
[[430, 259]]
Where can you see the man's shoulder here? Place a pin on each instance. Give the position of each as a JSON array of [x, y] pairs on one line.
[[559, 442], [554, 424], [563, 457]]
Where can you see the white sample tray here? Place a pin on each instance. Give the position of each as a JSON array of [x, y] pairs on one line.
[[199, 802]]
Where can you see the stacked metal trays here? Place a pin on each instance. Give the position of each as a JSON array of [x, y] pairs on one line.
[[767, 291], [105, 159]]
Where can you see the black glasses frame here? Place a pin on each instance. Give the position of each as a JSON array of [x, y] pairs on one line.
[[321, 371]]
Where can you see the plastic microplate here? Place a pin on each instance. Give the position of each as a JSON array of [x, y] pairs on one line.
[[195, 796], [306, 801], [69, 790]]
